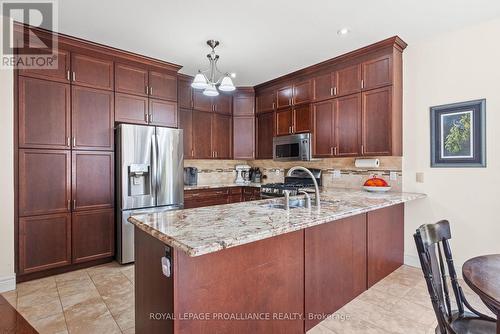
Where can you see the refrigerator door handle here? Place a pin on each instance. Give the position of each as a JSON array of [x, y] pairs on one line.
[[154, 167]]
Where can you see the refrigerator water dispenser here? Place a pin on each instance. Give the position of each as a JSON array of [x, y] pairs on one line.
[[139, 180]]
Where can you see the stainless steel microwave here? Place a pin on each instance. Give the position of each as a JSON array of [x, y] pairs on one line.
[[292, 147]]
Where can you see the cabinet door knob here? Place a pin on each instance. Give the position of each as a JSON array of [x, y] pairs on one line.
[[74, 76]]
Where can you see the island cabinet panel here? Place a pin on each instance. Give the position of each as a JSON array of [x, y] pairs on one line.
[[44, 114], [131, 79], [385, 235], [92, 72], [265, 132], [335, 266], [44, 242], [257, 278]]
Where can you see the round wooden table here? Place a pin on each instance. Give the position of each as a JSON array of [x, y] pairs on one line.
[[482, 274]]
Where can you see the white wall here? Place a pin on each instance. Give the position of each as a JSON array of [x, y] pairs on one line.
[[453, 67], [7, 278]]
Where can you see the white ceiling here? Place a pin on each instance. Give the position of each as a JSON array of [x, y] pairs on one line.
[[261, 39]]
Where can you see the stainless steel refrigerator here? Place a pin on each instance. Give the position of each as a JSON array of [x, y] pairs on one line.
[[150, 167]]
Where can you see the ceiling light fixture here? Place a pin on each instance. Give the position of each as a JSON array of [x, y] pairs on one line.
[[209, 83], [343, 31]]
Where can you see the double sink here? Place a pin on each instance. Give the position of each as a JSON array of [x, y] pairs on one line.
[[294, 203]]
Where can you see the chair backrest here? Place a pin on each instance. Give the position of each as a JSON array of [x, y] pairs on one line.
[[433, 250]]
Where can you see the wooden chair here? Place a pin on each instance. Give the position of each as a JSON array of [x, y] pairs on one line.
[[432, 242]]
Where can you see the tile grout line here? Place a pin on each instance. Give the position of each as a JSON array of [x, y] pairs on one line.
[[62, 307], [104, 302]]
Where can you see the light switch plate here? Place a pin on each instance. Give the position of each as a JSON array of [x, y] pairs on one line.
[[419, 177], [393, 176], [336, 174]]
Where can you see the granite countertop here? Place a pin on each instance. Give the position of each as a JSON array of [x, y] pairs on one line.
[[210, 229], [220, 185]]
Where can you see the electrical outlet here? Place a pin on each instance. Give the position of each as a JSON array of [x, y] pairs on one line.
[[419, 177], [393, 176], [336, 174], [277, 171]]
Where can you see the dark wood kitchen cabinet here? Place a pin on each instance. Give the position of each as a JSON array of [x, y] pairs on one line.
[[284, 122], [334, 266], [92, 180], [348, 80], [284, 97], [131, 109], [61, 73], [184, 92], [244, 137], [221, 136], [202, 102], [385, 235], [377, 72], [223, 104], [162, 113], [186, 124], [44, 105], [92, 119], [92, 72], [162, 86], [324, 129], [92, 235], [324, 86], [202, 134], [131, 79], [377, 122], [265, 133], [348, 126], [266, 101], [302, 92], [44, 242], [44, 182]]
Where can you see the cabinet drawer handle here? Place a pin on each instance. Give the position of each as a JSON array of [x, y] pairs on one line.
[[335, 150], [68, 141], [150, 90], [68, 75], [334, 90], [331, 91], [331, 150], [69, 205], [74, 204], [74, 141], [146, 117], [74, 76], [362, 84], [362, 150], [150, 118], [147, 90], [273, 105]]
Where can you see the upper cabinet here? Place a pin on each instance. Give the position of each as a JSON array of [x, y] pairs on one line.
[[61, 73], [352, 104], [284, 97], [266, 101], [377, 72], [302, 92], [348, 80], [202, 102], [92, 72], [223, 104], [162, 86], [244, 124], [131, 79], [184, 93]]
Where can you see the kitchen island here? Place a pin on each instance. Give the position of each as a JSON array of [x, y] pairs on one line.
[[253, 268]]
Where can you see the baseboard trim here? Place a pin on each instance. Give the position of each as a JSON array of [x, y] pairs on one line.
[[7, 283], [414, 261]]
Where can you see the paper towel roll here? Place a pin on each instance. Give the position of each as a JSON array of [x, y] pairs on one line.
[[367, 163]]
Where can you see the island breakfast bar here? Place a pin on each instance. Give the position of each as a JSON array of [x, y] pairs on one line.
[[251, 268]]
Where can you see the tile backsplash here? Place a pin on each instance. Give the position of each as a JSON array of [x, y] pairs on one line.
[[222, 171]]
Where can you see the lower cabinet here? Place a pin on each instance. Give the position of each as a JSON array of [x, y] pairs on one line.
[[216, 196], [385, 235], [335, 266], [93, 235], [44, 242]]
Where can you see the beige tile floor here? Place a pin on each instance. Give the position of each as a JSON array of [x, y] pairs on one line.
[[101, 300]]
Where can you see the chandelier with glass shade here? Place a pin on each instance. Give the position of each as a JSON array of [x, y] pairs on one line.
[[212, 80]]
